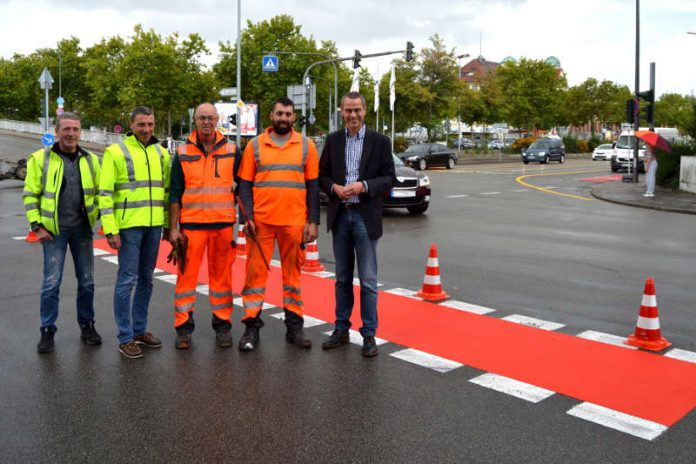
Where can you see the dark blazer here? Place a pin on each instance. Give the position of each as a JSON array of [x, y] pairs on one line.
[[376, 168]]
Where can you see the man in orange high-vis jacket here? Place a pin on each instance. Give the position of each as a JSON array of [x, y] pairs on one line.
[[202, 205], [279, 188]]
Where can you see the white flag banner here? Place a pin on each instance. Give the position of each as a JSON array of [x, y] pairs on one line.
[[392, 89], [376, 96], [355, 86]]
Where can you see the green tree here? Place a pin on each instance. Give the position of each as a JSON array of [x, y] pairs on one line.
[[281, 34], [674, 110], [438, 75], [533, 92], [595, 102]]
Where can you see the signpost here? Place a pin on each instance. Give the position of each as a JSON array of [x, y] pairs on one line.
[[269, 63], [46, 83]]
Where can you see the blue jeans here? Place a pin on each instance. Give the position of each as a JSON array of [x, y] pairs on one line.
[[80, 242], [350, 240], [136, 263]]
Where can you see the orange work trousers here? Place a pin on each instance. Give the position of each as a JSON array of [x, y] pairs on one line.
[[292, 257], [221, 255]]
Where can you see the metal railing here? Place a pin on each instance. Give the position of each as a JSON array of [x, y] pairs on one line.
[[88, 135]]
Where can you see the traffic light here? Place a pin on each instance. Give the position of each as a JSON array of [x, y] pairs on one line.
[[303, 121], [356, 59], [409, 51], [232, 120], [629, 110], [649, 106]]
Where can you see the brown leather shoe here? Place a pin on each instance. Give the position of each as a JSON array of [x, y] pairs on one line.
[[130, 350], [148, 340]]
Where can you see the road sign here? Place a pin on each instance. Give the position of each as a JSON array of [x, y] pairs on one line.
[[228, 92], [299, 95], [118, 128], [312, 119], [636, 107], [59, 111], [60, 101], [48, 140], [46, 80], [269, 63]]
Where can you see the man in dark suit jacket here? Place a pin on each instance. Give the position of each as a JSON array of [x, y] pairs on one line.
[[356, 167]]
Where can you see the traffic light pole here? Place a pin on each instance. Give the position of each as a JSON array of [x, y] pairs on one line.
[[636, 122], [334, 61]]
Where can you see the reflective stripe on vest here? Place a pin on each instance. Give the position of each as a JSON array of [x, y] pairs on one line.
[[279, 167], [129, 161]]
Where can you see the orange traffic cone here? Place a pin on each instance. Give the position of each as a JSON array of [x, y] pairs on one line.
[[241, 242], [101, 231], [648, 335], [432, 287], [312, 263], [31, 237]]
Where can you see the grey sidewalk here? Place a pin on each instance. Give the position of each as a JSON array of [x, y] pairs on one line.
[[630, 194]]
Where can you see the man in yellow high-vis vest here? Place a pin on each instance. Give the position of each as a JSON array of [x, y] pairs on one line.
[[133, 193], [60, 193]]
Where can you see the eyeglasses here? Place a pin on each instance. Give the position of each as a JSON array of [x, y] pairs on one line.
[[205, 118]]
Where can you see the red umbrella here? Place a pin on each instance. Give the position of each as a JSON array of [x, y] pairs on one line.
[[654, 139]]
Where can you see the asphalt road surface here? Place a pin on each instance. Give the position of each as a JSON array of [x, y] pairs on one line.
[[503, 246]]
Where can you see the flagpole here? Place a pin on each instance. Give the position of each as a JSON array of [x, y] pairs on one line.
[[392, 134]]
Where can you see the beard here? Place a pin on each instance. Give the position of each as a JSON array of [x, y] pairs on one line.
[[281, 128]]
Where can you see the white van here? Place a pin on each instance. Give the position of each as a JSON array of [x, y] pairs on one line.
[[623, 152]]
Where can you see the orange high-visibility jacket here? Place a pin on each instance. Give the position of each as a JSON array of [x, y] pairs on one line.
[[208, 194], [279, 175]]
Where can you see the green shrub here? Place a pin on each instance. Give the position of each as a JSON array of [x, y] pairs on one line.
[[593, 143], [400, 144], [571, 144], [668, 164], [522, 144]]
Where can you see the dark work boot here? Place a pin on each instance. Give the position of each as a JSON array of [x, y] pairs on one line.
[[294, 333], [89, 335], [250, 339], [46, 343], [183, 333], [223, 332]]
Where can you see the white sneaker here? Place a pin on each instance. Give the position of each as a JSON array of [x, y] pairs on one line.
[[648, 195]]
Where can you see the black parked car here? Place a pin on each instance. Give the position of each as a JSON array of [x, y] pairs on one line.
[[424, 155], [411, 190]]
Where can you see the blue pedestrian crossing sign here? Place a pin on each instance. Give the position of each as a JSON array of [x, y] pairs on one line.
[[270, 63], [47, 140]]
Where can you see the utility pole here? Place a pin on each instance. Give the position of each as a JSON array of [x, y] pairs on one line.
[[459, 98], [239, 73], [636, 122]]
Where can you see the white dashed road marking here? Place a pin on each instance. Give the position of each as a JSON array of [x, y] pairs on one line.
[[606, 338], [111, 258], [682, 355], [100, 252], [512, 387], [533, 322], [428, 360], [169, 278], [462, 306], [403, 292], [456, 196], [309, 321], [490, 193], [616, 420]]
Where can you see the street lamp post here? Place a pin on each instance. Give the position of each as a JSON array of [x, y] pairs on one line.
[[459, 98]]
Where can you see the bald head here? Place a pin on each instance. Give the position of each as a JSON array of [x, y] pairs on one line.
[[206, 121]]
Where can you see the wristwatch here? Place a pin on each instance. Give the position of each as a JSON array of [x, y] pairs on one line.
[[35, 226]]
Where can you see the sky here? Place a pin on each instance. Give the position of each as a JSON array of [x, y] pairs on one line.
[[591, 38]]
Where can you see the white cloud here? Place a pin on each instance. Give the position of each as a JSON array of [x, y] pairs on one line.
[[591, 38]]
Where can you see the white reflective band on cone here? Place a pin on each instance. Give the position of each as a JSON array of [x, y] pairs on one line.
[[648, 323], [314, 256], [432, 262], [649, 300], [431, 280]]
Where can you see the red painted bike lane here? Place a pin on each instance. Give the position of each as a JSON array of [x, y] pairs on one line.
[[641, 384]]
